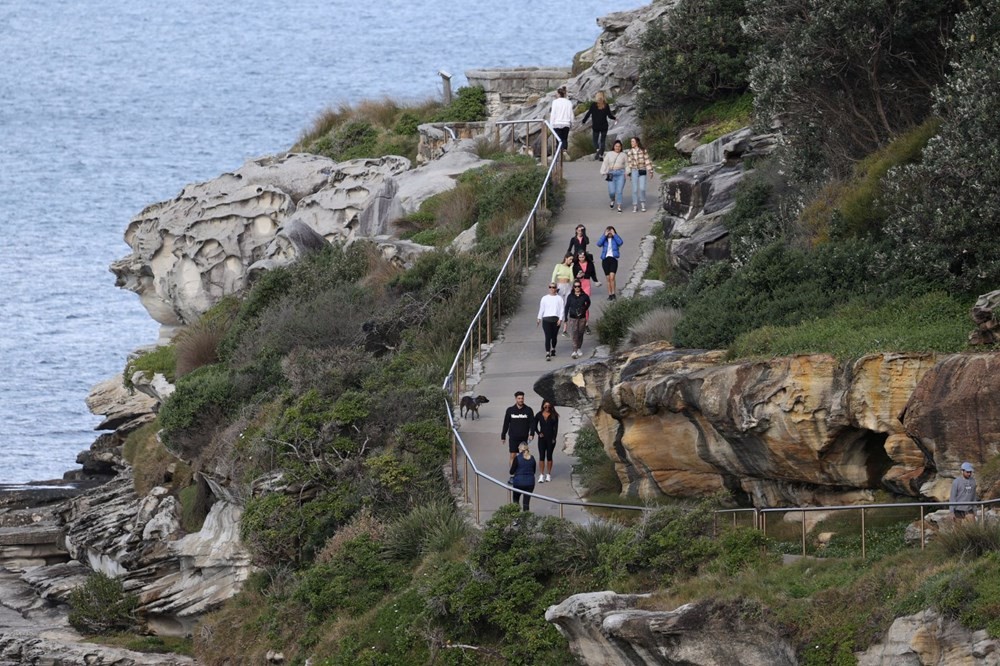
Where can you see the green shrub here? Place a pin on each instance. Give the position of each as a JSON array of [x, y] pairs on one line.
[[699, 54], [468, 105], [353, 139], [932, 322], [430, 528], [970, 539], [160, 360], [942, 220], [619, 316], [202, 399], [407, 124], [595, 468], [655, 325], [101, 606]]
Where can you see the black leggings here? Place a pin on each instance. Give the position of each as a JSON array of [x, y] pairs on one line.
[[527, 498], [545, 448], [550, 325]]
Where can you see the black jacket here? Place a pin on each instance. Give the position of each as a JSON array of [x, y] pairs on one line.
[[589, 274], [576, 246], [547, 428], [520, 423], [600, 116], [576, 306]]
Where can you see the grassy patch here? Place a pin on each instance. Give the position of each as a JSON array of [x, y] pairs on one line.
[[724, 116], [148, 644], [160, 360], [933, 322]]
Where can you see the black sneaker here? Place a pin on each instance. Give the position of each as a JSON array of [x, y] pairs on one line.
[[611, 297], [553, 353]]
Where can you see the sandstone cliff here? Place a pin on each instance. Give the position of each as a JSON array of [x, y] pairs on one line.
[[802, 430]]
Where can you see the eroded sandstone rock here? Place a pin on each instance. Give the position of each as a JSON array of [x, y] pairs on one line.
[[608, 628], [930, 639], [795, 430]]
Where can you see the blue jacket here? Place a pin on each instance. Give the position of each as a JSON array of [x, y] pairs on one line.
[[616, 242]]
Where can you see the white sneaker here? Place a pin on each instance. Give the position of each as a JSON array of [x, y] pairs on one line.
[[548, 477], [635, 209], [541, 478], [643, 208]]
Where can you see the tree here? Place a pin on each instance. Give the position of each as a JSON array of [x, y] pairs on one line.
[[844, 77], [943, 210], [700, 54]]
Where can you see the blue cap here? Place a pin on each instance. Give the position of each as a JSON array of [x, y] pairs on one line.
[[966, 467]]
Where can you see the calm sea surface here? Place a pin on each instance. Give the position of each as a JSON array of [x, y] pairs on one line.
[[107, 106]]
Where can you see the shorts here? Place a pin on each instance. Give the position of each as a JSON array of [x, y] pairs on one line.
[[610, 265], [513, 444], [545, 449]]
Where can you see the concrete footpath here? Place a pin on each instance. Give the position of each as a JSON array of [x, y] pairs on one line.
[[517, 358]]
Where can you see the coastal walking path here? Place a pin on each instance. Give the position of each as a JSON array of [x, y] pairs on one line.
[[517, 358]]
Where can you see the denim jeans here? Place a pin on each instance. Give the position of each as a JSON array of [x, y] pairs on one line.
[[638, 188], [616, 186]]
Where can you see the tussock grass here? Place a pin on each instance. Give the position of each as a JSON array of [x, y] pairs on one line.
[[658, 324]]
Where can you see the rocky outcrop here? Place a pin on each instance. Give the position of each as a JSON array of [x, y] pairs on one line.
[[608, 628], [984, 314], [802, 430], [697, 198], [34, 632], [930, 639], [206, 243]]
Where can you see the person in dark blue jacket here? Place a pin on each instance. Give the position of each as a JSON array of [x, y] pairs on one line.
[[522, 470]]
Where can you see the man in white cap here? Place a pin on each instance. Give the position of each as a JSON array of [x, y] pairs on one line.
[[963, 489]]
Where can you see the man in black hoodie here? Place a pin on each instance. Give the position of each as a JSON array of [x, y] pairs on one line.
[[519, 423]]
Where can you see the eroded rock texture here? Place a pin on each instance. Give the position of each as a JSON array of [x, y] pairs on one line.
[[607, 628], [793, 430]]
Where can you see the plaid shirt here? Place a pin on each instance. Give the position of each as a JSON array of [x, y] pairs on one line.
[[638, 158]]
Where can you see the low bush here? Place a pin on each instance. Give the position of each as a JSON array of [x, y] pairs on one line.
[[161, 360], [198, 344], [101, 606], [619, 316], [595, 469], [654, 326], [431, 528], [196, 408], [970, 539], [932, 322], [468, 105]]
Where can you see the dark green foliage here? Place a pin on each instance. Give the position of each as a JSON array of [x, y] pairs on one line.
[[353, 139], [943, 211], [619, 315], [202, 399], [595, 467], [160, 360], [468, 105], [101, 606], [407, 124], [699, 54], [845, 77], [502, 593], [969, 593], [352, 582]]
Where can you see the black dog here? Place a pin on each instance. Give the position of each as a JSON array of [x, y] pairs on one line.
[[470, 405]]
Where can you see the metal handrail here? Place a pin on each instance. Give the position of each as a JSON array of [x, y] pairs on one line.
[[762, 513], [452, 388]]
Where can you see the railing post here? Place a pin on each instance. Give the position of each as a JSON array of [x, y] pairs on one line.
[[803, 533], [479, 336], [489, 318], [466, 484], [478, 522], [921, 527], [862, 532], [454, 457], [545, 147]]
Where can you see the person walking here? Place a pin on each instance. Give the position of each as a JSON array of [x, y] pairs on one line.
[[522, 470], [561, 117], [613, 170], [585, 273], [562, 276], [547, 427], [610, 244], [550, 311], [640, 167], [577, 306], [963, 490], [599, 112], [519, 422], [579, 242]]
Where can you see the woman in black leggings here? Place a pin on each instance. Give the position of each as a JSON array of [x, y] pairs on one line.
[[547, 427]]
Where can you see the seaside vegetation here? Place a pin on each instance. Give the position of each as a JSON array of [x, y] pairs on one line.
[[319, 391]]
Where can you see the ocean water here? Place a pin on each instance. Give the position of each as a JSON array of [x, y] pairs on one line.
[[107, 106]]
